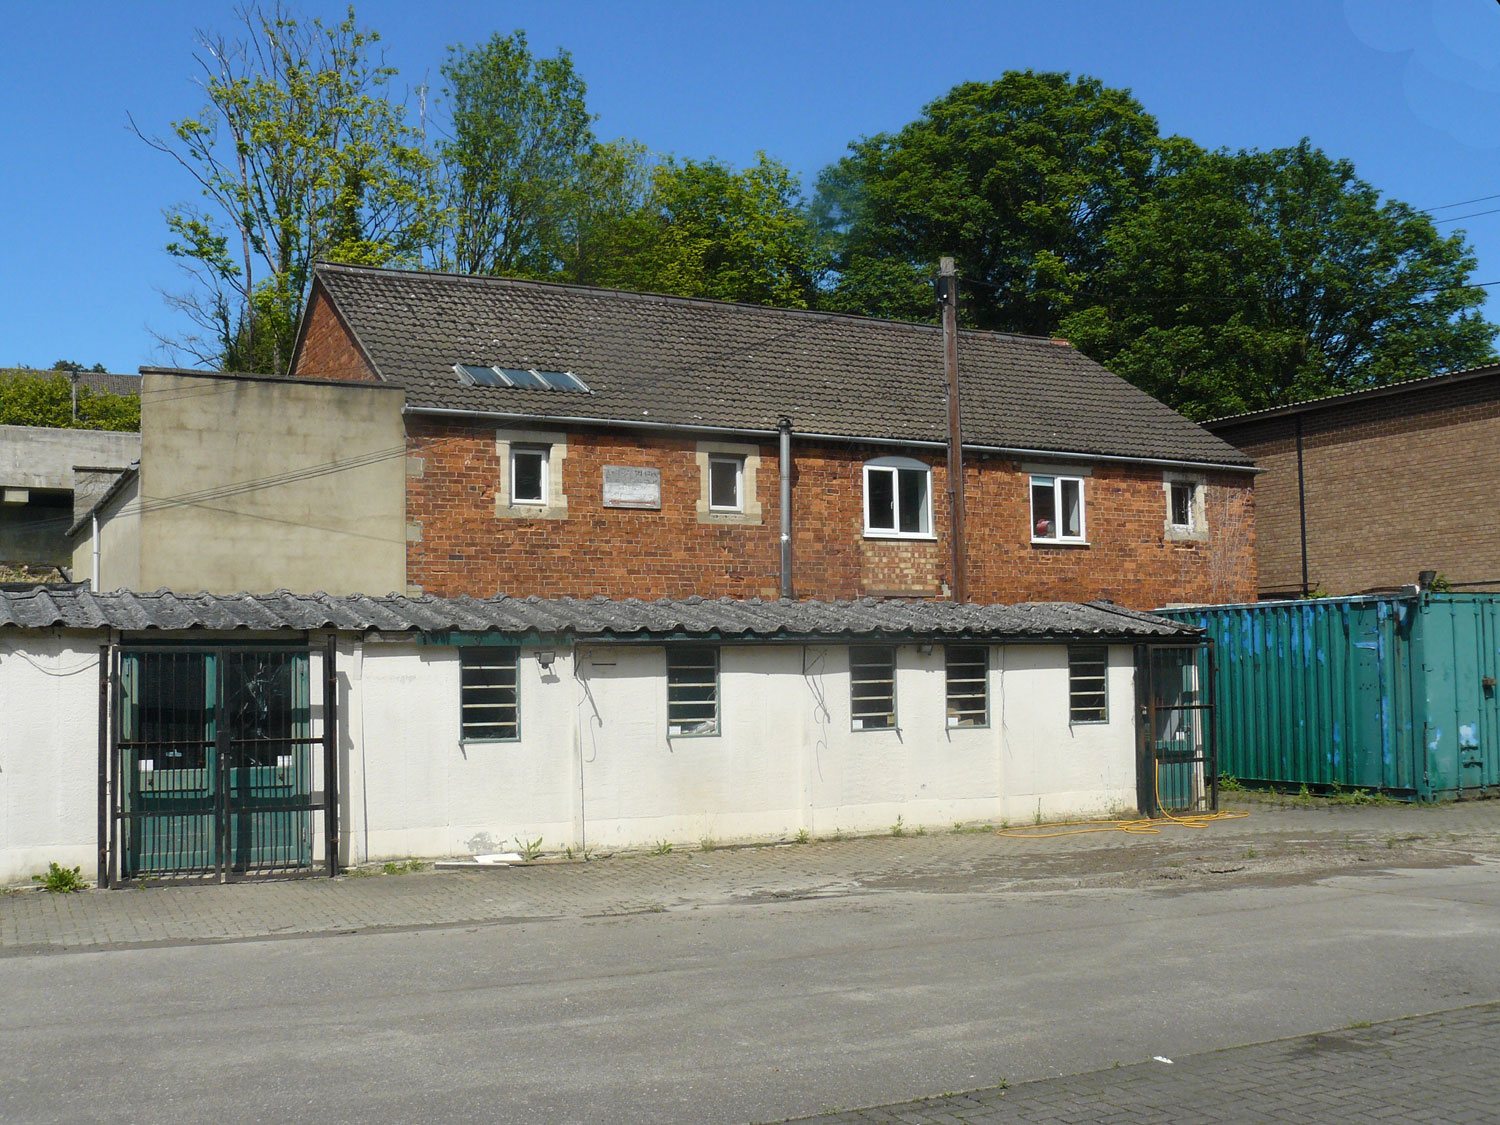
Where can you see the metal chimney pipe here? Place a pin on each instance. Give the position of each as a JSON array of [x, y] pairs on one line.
[[785, 456]]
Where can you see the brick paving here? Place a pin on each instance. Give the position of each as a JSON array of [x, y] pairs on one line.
[[1441, 1067], [1275, 841]]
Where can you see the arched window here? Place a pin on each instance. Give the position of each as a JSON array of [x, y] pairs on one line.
[[898, 498]]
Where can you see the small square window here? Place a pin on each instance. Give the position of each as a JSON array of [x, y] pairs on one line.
[[872, 687], [528, 475], [1057, 509], [488, 696], [1181, 497], [1088, 684], [968, 685], [692, 690], [726, 476]]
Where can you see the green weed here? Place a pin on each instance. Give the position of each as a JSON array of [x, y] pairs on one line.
[[663, 847], [899, 828], [803, 835], [61, 880], [1228, 783], [529, 849]]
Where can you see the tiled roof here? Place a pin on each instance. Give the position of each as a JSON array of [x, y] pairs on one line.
[[579, 618], [681, 362], [1329, 402]]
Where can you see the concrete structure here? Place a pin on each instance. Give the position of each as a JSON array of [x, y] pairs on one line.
[[254, 483], [44, 474], [595, 754], [1361, 492]]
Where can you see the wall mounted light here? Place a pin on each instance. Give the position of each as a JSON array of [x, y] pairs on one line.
[[545, 657], [925, 648]]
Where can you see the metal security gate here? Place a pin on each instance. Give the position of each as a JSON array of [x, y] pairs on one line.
[[213, 766], [1177, 766]]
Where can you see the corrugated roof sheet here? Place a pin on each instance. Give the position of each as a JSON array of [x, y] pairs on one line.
[[676, 361], [580, 618]]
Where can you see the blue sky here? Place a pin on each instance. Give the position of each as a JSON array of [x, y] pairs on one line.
[[1407, 89]]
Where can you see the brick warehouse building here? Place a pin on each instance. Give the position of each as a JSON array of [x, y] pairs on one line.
[[564, 440], [1363, 491]]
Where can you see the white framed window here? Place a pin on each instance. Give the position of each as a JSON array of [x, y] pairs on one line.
[[726, 483], [692, 690], [1057, 509], [898, 498], [1186, 517], [1180, 497], [1088, 684], [489, 702], [528, 474], [530, 485], [967, 669], [872, 687]]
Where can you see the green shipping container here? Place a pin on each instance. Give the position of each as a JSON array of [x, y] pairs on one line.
[[1394, 693]]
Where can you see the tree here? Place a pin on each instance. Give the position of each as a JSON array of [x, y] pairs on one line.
[[1253, 279], [44, 398], [709, 231], [299, 155], [1018, 179], [69, 365], [515, 167]]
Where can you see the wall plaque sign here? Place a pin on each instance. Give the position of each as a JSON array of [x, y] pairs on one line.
[[629, 487]]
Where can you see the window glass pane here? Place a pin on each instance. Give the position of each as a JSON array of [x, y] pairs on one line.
[[692, 690], [968, 685], [488, 693], [527, 471], [1182, 505], [1072, 508], [872, 687], [524, 378], [882, 498], [482, 376], [1088, 695], [913, 506], [1043, 508], [724, 482]]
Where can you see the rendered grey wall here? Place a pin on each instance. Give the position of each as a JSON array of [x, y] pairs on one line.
[[259, 484]]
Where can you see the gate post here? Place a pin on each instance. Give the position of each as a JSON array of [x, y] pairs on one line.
[[331, 755], [106, 661]]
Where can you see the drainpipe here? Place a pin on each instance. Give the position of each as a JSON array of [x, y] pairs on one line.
[[785, 426], [94, 527]]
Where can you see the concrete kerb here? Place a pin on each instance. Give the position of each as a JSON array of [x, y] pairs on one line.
[[1277, 842]]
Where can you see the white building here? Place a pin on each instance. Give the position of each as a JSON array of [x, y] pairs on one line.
[[462, 726]]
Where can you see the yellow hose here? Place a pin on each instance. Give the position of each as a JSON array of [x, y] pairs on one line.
[[1141, 826]]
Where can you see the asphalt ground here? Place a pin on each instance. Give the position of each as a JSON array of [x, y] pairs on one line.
[[1314, 963]]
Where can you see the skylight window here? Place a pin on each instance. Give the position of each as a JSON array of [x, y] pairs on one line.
[[523, 378]]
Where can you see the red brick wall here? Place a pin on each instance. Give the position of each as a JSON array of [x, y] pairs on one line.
[[463, 547], [328, 350], [1395, 484]]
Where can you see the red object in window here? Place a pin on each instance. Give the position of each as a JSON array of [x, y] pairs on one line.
[[1044, 529]]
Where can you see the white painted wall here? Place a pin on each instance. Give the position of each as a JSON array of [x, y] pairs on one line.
[[49, 753], [594, 767]]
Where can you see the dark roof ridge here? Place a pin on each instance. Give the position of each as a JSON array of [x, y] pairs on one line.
[[648, 297]]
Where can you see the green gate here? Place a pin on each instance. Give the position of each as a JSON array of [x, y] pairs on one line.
[[213, 760], [1177, 768]]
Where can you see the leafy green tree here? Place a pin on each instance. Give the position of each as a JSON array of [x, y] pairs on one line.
[[299, 155], [42, 398], [1255, 279], [710, 231], [1019, 179], [69, 365], [515, 166]]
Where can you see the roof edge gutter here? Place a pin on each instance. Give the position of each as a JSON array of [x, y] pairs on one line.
[[689, 427]]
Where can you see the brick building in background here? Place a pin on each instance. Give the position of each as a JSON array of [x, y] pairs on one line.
[[1363, 491], [563, 440]]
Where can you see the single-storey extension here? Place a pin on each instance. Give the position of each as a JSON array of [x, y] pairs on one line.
[[163, 734]]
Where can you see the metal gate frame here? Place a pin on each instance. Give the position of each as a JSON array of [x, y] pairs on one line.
[[1150, 709], [113, 812]]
